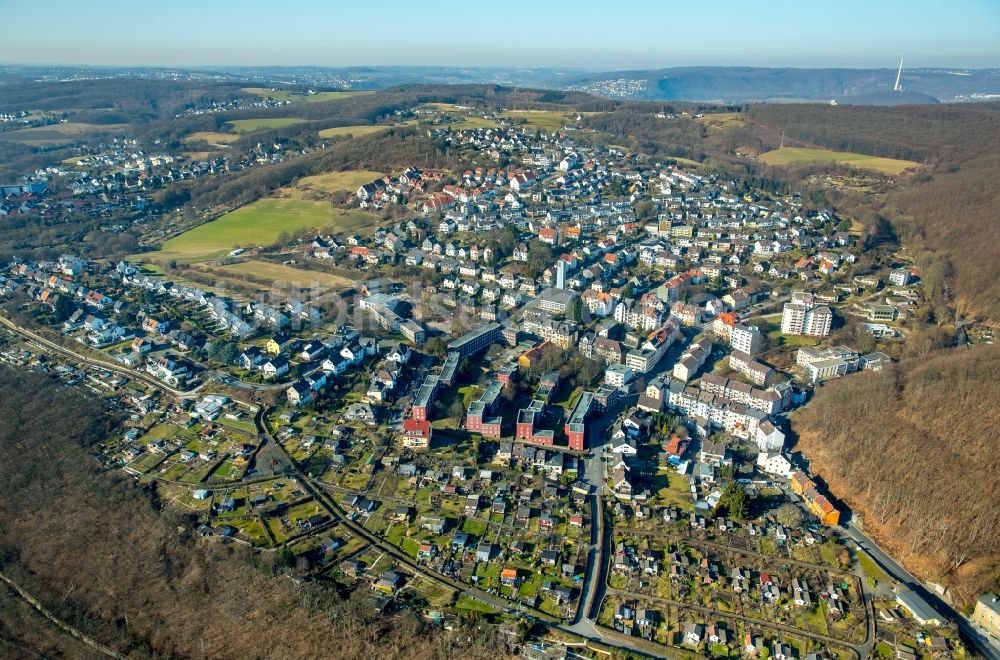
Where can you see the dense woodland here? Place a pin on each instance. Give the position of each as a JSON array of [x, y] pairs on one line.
[[103, 555], [911, 450]]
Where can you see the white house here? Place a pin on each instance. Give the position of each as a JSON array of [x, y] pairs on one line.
[[774, 463], [769, 437]]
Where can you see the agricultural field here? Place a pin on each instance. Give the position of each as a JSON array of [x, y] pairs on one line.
[[546, 120], [56, 134], [470, 123], [357, 130], [256, 224], [349, 180], [212, 137], [790, 155], [253, 125], [281, 274], [721, 120], [285, 95]]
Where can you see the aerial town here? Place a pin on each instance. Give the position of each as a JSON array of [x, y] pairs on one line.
[[557, 387]]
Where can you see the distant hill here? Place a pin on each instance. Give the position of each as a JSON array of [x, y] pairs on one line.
[[717, 84], [757, 84], [889, 98]]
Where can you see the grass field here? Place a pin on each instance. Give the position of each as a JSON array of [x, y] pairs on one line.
[[44, 136], [720, 120], [684, 161], [547, 120], [344, 180], [285, 95], [471, 122], [256, 224], [358, 130], [253, 125], [280, 273], [212, 137], [789, 155]]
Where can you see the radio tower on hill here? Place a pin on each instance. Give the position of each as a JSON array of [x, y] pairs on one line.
[[898, 87]]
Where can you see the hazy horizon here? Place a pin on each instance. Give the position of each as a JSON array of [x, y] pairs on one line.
[[584, 35]]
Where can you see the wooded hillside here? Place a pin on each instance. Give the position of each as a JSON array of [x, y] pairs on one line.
[[948, 210], [100, 553], [913, 450]]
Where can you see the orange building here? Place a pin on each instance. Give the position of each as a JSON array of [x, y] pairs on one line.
[[529, 357], [817, 503]]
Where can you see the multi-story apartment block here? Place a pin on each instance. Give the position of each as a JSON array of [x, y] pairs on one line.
[[746, 338], [801, 316]]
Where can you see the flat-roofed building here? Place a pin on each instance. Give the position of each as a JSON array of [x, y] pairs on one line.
[[477, 340]]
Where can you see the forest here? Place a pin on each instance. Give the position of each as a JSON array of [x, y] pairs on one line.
[[104, 554], [912, 452]]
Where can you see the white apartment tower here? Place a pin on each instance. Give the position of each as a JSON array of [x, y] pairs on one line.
[[802, 317], [746, 338]]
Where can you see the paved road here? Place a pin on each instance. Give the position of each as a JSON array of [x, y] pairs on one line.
[[982, 643], [209, 372], [110, 366], [595, 474]]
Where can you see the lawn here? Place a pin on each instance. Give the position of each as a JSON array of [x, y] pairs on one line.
[[229, 471], [349, 180], [475, 527], [470, 604], [285, 95], [147, 462], [871, 568], [794, 340], [246, 425], [253, 125], [278, 530], [175, 471], [253, 530], [675, 492], [789, 155], [256, 224], [281, 274]]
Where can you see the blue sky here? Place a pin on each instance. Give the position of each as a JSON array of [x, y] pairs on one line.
[[581, 34]]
